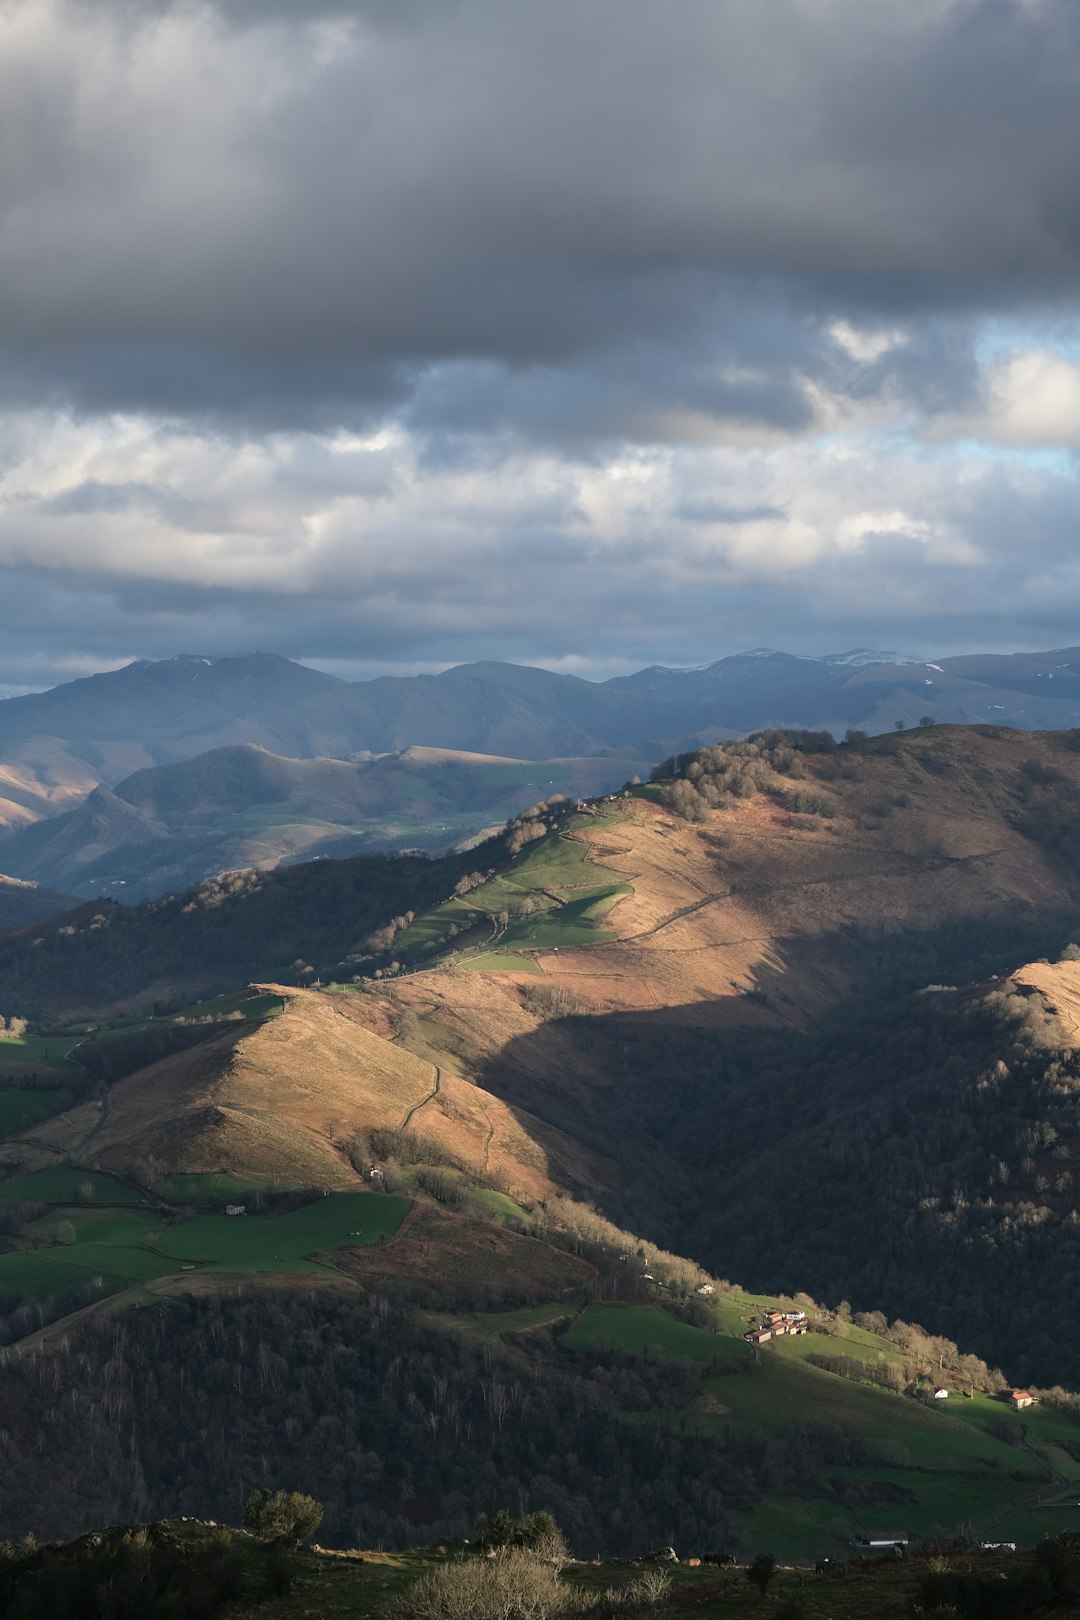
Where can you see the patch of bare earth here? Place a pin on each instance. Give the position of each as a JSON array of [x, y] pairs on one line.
[[444, 1251], [1058, 983]]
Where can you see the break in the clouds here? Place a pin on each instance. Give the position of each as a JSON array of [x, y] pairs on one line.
[[401, 334]]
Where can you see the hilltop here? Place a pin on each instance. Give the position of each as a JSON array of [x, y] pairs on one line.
[[285, 1099], [171, 826]]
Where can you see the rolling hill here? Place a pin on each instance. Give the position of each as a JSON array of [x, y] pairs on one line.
[[284, 1100], [805, 1014], [56, 747], [242, 807], [23, 903]]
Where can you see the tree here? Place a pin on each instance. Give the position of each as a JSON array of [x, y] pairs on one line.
[[539, 1533], [761, 1572], [926, 720], [288, 1517], [898, 725]]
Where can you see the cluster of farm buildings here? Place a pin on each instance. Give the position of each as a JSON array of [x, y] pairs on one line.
[[776, 1325]]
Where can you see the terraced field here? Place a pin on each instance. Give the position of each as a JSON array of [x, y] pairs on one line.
[[553, 895]]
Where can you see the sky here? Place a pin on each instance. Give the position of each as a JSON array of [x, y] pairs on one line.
[[396, 334]]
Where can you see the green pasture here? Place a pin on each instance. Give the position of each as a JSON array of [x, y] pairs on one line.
[[130, 1228], [499, 1205], [1053, 1434], [1032, 1525], [285, 1242], [23, 1106], [572, 891], [493, 962], [60, 1184], [493, 1324], [798, 1527], [783, 1392], [38, 1052], [41, 1273], [252, 1006], [650, 1330], [736, 1312], [211, 1187], [942, 1502], [575, 922]]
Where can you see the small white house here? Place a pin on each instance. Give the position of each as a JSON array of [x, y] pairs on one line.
[[236, 1209], [706, 1288], [941, 1394]]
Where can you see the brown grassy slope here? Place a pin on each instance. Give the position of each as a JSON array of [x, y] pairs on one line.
[[444, 1250], [1058, 986], [274, 1101], [927, 830]]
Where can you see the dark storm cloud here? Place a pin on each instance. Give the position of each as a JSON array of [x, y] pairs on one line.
[[415, 331], [268, 211]]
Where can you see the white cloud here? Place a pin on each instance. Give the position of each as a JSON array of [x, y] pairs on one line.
[[869, 343], [1032, 400]]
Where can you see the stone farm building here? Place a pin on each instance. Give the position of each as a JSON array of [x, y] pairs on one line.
[[777, 1325]]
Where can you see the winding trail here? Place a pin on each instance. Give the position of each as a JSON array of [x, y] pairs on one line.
[[416, 1107], [1049, 1492]]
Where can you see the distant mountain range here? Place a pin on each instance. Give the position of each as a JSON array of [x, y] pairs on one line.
[[166, 827], [64, 750]]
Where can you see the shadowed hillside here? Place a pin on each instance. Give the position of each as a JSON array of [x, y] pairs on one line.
[[23, 903], [285, 1101]]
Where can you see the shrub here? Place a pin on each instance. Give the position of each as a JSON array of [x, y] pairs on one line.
[[288, 1517], [550, 1001]]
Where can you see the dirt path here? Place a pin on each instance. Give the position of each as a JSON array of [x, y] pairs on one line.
[[1049, 1491], [416, 1107], [54, 1331], [488, 1140], [103, 1117]]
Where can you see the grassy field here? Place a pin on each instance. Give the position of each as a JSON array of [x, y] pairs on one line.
[[499, 1205], [493, 1324], [23, 1106], [556, 874], [43, 1273], [60, 1184], [497, 962], [42, 1054], [251, 1006], [286, 1242], [129, 1227], [650, 1330], [211, 1187]]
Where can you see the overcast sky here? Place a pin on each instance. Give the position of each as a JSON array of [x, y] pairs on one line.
[[591, 333]]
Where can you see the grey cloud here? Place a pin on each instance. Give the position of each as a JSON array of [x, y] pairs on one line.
[[522, 588], [278, 229]]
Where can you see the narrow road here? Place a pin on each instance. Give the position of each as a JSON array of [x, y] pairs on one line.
[[1049, 1491], [103, 1117], [416, 1107]]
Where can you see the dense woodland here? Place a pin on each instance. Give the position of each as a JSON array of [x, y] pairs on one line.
[[405, 1432], [294, 923]]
